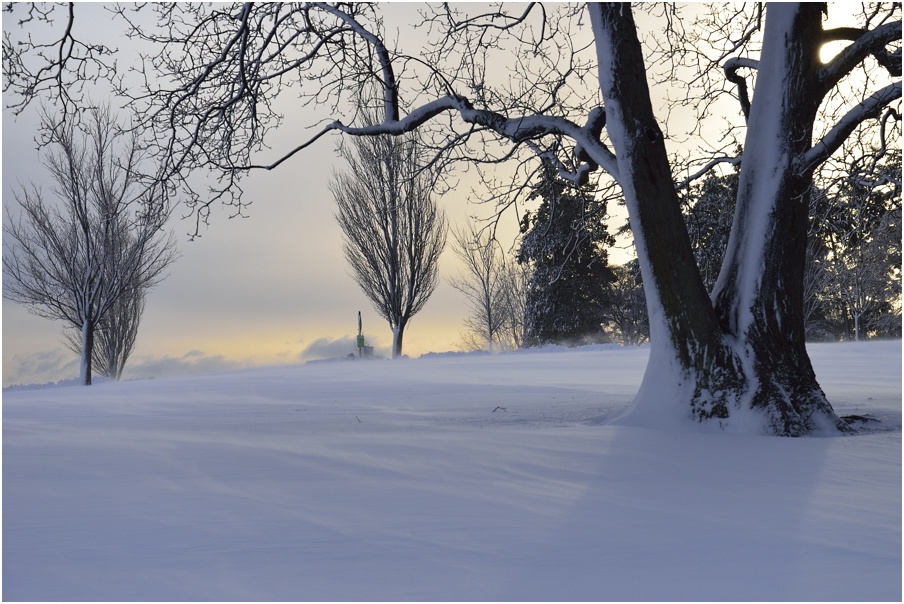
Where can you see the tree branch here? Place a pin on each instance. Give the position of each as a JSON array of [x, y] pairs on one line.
[[733, 161], [869, 108], [731, 67], [517, 129], [390, 86], [872, 42]]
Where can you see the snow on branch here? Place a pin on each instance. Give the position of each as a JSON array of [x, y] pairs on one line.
[[520, 129], [731, 67], [869, 108], [872, 42], [732, 161]]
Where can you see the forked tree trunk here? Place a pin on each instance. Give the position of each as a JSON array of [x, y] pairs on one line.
[[759, 296], [742, 364], [692, 371]]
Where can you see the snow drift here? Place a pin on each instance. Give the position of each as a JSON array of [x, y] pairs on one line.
[[444, 478]]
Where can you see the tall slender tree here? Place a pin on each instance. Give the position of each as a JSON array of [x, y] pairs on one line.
[[393, 231], [483, 281]]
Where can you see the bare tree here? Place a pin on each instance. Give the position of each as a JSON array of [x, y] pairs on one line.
[[393, 231], [625, 316], [859, 271], [516, 278], [738, 355], [74, 260], [115, 335], [483, 282]]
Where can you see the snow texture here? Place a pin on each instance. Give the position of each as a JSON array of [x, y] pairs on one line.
[[458, 477]]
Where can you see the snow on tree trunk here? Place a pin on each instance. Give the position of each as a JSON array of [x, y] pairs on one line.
[[692, 371], [398, 333], [738, 361], [759, 293]]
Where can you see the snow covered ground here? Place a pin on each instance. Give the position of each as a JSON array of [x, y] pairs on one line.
[[447, 477]]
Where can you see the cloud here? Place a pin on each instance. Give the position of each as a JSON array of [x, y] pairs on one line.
[[40, 367], [191, 363], [328, 348], [332, 348]]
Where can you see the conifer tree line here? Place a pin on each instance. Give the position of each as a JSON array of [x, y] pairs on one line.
[[570, 294]]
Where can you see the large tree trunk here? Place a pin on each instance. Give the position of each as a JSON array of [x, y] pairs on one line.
[[741, 365], [692, 371], [759, 295]]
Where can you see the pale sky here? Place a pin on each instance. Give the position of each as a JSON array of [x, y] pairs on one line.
[[270, 288], [273, 287]]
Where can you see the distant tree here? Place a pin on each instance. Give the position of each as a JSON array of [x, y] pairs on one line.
[[483, 282], [74, 260], [625, 314], [516, 278], [393, 231], [564, 243], [859, 231]]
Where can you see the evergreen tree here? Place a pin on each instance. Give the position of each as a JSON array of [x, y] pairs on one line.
[[625, 316], [564, 244]]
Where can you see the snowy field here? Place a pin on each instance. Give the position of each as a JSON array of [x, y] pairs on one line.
[[463, 477]]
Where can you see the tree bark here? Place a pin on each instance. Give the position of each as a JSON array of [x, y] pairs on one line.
[[759, 295], [738, 360], [86, 352], [692, 371], [398, 333]]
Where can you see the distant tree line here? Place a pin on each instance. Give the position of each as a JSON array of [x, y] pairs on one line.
[[852, 279], [569, 294]]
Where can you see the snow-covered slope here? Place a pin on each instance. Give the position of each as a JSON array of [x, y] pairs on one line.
[[450, 477]]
